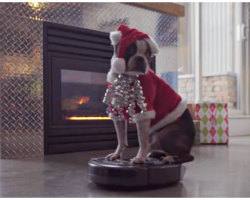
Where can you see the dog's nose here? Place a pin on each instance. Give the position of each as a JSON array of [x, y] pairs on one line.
[[140, 64]]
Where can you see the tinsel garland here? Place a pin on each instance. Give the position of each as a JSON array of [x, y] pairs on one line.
[[125, 92]]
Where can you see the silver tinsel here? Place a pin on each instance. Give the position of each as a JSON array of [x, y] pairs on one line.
[[125, 92]]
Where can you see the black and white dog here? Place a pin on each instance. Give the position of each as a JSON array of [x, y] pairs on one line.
[[167, 125]]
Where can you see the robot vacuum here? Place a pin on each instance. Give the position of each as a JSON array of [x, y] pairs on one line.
[[125, 174]]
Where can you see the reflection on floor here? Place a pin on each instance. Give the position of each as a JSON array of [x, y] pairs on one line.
[[218, 171]]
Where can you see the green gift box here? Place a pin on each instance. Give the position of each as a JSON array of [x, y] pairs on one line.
[[197, 124], [197, 132], [197, 141]]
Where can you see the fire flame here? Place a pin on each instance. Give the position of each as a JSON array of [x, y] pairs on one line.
[[83, 100], [88, 118]]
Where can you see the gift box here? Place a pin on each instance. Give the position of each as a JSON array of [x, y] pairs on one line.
[[197, 132], [213, 119]]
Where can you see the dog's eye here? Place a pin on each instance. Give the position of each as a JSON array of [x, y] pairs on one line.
[[131, 50]]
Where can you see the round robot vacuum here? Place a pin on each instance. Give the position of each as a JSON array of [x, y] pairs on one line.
[[123, 173]]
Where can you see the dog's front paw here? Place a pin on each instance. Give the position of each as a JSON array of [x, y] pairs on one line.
[[138, 160], [168, 160], [113, 156]]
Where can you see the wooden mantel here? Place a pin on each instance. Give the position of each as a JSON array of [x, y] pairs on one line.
[[167, 8]]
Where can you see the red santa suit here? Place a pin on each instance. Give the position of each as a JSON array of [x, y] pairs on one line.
[[164, 105]]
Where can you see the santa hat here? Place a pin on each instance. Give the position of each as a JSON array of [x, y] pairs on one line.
[[125, 36]]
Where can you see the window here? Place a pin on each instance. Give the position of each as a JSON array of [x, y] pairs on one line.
[[222, 54]]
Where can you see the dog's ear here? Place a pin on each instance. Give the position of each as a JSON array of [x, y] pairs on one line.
[[153, 45], [115, 37]]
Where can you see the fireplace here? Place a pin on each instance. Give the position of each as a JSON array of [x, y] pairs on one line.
[[26, 78], [76, 62]]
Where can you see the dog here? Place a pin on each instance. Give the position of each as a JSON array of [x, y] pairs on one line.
[[166, 129]]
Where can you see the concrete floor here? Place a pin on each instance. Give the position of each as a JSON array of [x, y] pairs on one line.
[[218, 171]]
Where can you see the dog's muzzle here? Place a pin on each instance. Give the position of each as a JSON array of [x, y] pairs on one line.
[[140, 64]]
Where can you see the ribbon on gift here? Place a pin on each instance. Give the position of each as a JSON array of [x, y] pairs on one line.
[[214, 121]]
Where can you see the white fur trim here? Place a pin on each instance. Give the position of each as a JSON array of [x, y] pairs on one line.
[[115, 37], [175, 114], [118, 65], [146, 115], [110, 76], [153, 45]]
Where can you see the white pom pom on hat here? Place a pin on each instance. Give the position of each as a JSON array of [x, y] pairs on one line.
[[118, 65]]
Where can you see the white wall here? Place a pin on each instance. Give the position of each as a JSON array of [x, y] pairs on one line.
[[239, 126]]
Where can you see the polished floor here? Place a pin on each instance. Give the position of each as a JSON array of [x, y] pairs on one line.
[[218, 171]]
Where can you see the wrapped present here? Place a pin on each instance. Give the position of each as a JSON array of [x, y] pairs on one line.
[[171, 78], [197, 132], [213, 122]]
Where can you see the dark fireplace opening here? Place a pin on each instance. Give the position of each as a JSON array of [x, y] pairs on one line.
[[82, 93], [76, 63]]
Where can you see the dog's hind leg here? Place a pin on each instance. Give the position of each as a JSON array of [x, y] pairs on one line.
[[173, 143], [121, 132], [181, 151]]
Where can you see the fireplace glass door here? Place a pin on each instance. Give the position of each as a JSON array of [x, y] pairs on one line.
[[78, 88], [81, 95]]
